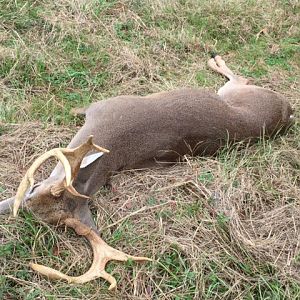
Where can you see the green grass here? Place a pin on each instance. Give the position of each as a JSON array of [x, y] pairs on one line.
[[55, 56], [175, 269]]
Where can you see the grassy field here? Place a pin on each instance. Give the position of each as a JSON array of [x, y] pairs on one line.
[[217, 228]]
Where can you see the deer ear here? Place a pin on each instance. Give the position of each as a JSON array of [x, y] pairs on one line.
[[84, 163], [90, 159], [58, 188]]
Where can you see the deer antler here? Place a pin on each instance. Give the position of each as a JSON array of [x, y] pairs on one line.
[[70, 159], [102, 254]]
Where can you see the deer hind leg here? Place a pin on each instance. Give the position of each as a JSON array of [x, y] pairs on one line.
[[218, 65]]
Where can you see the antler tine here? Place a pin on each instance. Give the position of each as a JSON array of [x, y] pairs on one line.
[[96, 147], [102, 254], [28, 179]]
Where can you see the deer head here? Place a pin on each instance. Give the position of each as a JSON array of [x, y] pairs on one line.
[[55, 199]]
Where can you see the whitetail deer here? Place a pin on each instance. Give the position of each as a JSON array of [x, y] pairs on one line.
[[139, 132]]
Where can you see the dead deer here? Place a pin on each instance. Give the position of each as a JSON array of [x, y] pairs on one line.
[[141, 132]]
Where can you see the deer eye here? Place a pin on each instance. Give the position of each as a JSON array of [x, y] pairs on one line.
[[33, 188]]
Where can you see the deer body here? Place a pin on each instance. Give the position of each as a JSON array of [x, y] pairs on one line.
[[143, 131]]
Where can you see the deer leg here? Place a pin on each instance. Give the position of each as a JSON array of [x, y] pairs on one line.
[[217, 64]]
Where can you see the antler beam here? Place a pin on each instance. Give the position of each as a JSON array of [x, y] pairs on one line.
[[103, 253]]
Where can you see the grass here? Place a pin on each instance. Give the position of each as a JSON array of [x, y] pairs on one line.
[[231, 230]]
